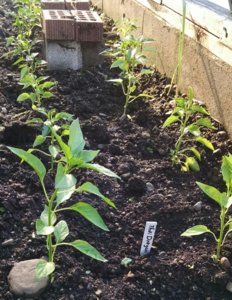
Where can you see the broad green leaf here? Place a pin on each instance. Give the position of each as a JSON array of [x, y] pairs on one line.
[[32, 160], [229, 202], [87, 249], [192, 164], [48, 84], [196, 230], [196, 153], [226, 169], [206, 122], [61, 231], [75, 161], [65, 132], [22, 97], [45, 131], [212, 192], [66, 186], [42, 229], [90, 214], [33, 97], [88, 187], [198, 108], [47, 95], [59, 173], [205, 142], [21, 59], [194, 130], [120, 63], [100, 169], [39, 140], [23, 71], [65, 182], [184, 168], [180, 102], [76, 140], [54, 151], [88, 155], [64, 116], [170, 120], [44, 269], [44, 216]]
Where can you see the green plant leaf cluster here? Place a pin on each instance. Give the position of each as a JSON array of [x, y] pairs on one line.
[[190, 118], [26, 20], [224, 201], [72, 155], [127, 56], [39, 88]]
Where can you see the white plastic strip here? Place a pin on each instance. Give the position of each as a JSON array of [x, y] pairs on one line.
[[148, 238]]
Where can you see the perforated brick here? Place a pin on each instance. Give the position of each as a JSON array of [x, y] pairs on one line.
[[53, 4], [58, 25], [77, 4], [88, 26]]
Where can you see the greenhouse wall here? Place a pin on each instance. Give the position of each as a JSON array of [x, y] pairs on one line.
[[208, 48]]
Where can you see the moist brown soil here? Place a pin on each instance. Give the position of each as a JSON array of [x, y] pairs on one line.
[[138, 150]]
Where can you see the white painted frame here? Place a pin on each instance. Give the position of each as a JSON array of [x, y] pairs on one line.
[[211, 17]]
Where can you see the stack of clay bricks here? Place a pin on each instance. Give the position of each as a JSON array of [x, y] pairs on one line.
[[73, 34]]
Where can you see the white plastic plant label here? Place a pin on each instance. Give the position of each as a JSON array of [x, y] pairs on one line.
[[148, 238]]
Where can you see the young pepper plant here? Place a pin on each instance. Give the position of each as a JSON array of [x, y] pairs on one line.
[[224, 200], [184, 112], [65, 185], [128, 57], [26, 18], [39, 87]]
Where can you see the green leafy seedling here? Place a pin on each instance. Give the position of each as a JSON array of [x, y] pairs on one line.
[[128, 57], [65, 185], [224, 200], [126, 261], [26, 19], [189, 132], [39, 88]]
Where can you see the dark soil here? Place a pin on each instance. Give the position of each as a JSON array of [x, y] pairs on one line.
[[138, 150]]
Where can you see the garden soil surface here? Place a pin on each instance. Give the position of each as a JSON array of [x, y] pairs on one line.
[[150, 189]]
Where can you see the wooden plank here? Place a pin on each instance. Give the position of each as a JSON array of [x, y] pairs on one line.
[[211, 42], [210, 16]]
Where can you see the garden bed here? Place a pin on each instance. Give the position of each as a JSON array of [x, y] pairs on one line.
[[150, 189]]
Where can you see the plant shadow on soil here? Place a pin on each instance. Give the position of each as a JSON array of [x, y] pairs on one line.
[[137, 150]]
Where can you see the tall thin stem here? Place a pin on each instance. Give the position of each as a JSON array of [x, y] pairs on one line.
[[181, 50], [220, 239]]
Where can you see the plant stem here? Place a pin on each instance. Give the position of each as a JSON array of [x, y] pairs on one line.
[[179, 142], [182, 133], [52, 158], [50, 246], [181, 50], [127, 96], [220, 239], [49, 237]]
